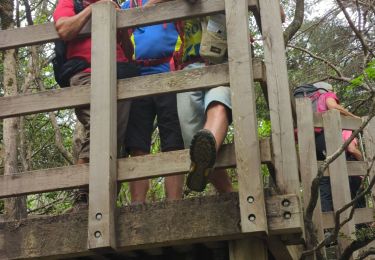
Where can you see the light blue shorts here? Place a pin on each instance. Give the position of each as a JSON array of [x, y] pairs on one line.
[[192, 106]]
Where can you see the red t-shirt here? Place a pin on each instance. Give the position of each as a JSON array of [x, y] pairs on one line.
[[80, 48]]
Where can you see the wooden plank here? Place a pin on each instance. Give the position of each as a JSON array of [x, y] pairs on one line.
[[172, 11], [355, 168], [307, 157], [186, 80], [338, 172], [2, 241], [30, 35], [283, 144], [361, 215], [134, 168], [250, 180], [103, 129], [187, 221], [244, 248], [347, 122], [278, 249], [369, 134]]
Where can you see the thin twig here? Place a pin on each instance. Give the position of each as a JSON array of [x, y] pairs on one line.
[[328, 63]]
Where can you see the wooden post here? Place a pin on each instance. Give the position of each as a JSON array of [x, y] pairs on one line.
[[250, 181], [338, 172], [369, 134], [103, 145], [283, 145], [246, 249], [307, 157]]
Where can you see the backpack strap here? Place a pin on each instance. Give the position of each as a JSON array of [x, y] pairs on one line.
[[78, 6], [177, 55]]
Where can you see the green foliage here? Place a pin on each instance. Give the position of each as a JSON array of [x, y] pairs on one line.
[[368, 74], [264, 128]]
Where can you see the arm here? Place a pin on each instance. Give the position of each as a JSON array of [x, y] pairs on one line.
[[68, 27], [332, 104], [352, 149]]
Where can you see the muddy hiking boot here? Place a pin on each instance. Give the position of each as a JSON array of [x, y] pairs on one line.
[[203, 157]]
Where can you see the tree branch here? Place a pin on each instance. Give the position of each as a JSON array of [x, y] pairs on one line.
[[366, 48], [336, 69], [293, 28], [367, 253]]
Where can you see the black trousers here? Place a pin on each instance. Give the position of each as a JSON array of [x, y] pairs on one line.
[[325, 185]]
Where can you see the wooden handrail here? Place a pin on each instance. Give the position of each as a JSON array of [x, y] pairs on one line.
[[180, 81], [171, 11], [129, 169], [348, 123]]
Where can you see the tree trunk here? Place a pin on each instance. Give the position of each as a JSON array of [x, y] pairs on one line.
[[14, 208]]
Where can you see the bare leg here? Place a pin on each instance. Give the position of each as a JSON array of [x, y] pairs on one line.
[[217, 122], [173, 184], [221, 181], [173, 187], [138, 189]]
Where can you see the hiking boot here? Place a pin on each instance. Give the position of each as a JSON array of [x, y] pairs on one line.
[[203, 157]]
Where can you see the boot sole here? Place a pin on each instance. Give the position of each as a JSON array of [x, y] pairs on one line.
[[203, 157]]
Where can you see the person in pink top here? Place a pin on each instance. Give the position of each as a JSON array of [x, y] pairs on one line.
[[326, 101]]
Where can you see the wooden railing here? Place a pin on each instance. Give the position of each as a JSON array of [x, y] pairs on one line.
[[175, 10], [240, 73], [339, 170]]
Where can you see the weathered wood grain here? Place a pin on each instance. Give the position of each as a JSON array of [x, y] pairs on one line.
[[283, 145], [129, 169], [144, 226], [103, 129], [347, 122], [338, 172], [355, 168], [369, 134], [171, 11], [307, 157], [242, 249], [278, 249], [250, 181], [186, 80], [361, 215]]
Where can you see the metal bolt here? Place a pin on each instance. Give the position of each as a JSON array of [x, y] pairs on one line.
[[286, 203], [99, 216], [250, 199], [252, 217], [287, 215], [97, 234]]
